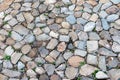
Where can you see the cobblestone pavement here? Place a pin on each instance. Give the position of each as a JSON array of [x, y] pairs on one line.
[[59, 39]]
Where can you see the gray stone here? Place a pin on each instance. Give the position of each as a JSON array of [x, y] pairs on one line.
[[60, 60], [106, 5], [16, 36], [73, 36], [42, 8], [94, 45], [116, 39], [12, 22], [112, 17], [89, 26], [67, 55], [71, 72], [115, 1], [113, 62], [55, 27], [114, 74], [82, 36], [102, 63], [80, 52], [105, 35], [20, 17], [116, 47], [43, 37], [11, 73], [105, 24], [43, 51], [81, 21], [101, 75], [64, 38], [71, 19], [20, 65], [93, 36], [52, 44], [91, 59], [103, 14], [80, 44], [9, 50], [97, 7], [49, 68], [29, 38], [7, 64]]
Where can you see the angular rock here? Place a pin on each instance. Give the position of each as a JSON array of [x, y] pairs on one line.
[[94, 45], [71, 19], [89, 26], [61, 47], [9, 50], [101, 75], [49, 68], [102, 63], [64, 38], [114, 74], [80, 52], [116, 47], [112, 17], [15, 57], [105, 24], [91, 59], [52, 44]]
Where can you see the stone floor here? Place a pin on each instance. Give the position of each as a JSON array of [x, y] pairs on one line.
[[59, 39]]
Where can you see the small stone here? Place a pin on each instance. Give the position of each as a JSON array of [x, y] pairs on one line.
[[114, 74], [52, 44], [116, 47], [43, 51], [30, 73], [105, 24], [12, 22], [20, 17], [65, 25], [103, 14], [55, 27], [8, 17], [29, 38], [86, 15], [97, 7], [3, 77], [105, 35], [112, 17], [71, 72], [67, 55], [94, 17], [94, 45], [73, 36], [20, 65], [15, 57], [49, 68], [115, 1], [64, 31], [25, 49], [53, 34], [61, 47], [7, 64], [87, 70], [54, 54], [43, 37], [75, 61], [101, 75], [9, 50], [116, 39], [54, 77], [44, 77], [112, 10], [28, 16], [11, 73], [81, 53], [106, 5], [71, 19], [40, 70], [16, 36], [91, 59], [41, 9], [117, 22], [64, 38], [89, 26], [80, 44], [49, 59], [82, 36], [37, 31], [93, 36]]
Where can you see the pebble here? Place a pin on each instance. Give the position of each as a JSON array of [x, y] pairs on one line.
[[20, 65], [81, 53], [7, 64], [115, 1], [87, 70], [93, 36], [25, 49], [116, 47], [49, 68], [71, 72], [20, 17], [15, 57], [29, 38], [101, 75], [53, 34], [75, 61], [61, 47], [71, 19], [91, 59], [82, 36], [89, 26], [94, 17], [105, 24], [16, 36], [43, 37], [114, 74], [40, 70], [30, 73], [94, 45], [67, 55], [52, 44], [65, 25], [102, 63], [28, 16], [112, 10], [73, 36], [112, 17], [64, 38], [12, 22], [9, 50]]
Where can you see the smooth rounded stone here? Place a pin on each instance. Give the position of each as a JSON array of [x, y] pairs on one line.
[[115, 1], [89, 26], [16, 36], [106, 5], [81, 53], [21, 29], [11, 73], [10, 41], [3, 77], [15, 57], [116, 47], [82, 36], [102, 63], [9, 50], [61, 47], [114, 74], [75, 61], [54, 54], [87, 70], [30, 73], [7, 64], [97, 7], [112, 10], [112, 62], [49, 59], [43, 51], [116, 39], [30, 65], [81, 21], [112, 17], [29, 38], [49, 68], [55, 27], [105, 24], [106, 52], [25, 49], [44, 77], [64, 38], [20, 65], [80, 44], [8, 17], [63, 31], [71, 19], [52, 44], [103, 14], [28, 16], [91, 59], [71, 72], [42, 8], [105, 35], [50, 1], [40, 70], [94, 45], [101, 75], [86, 15], [43, 37], [93, 36], [117, 22], [65, 25], [46, 30], [55, 77], [94, 18], [37, 31], [73, 35], [53, 34], [67, 55], [78, 14], [20, 17]]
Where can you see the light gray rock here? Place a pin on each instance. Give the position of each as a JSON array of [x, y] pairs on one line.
[[116, 47], [91, 59], [20, 65], [9, 50], [15, 57], [16, 36], [112, 17], [80, 44], [40, 70], [102, 63], [105, 24], [12, 22], [82, 36], [103, 14], [52, 44], [7, 64], [20, 17], [43, 37], [89, 26], [101, 75], [115, 1], [94, 45], [30, 73], [114, 74], [64, 38], [106, 5], [71, 72], [116, 39], [67, 55], [43, 51], [71, 19], [49, 68], [53, 34], [97, 7], [93, 36], [29, 38], [80, 52]]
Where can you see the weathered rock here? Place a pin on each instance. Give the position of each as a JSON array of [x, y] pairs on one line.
[[89, 26], [15, 57], [116, 47], [52, 44], [91, 59], [114, 74], [61, 47], [94, 45], [49, 68], [101, 75], [71, 19]]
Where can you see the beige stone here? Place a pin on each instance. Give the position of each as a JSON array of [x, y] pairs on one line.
[[94, 17], [61, 47], [25, 49]]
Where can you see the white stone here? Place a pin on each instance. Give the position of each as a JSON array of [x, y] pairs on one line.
[[64, 38], [91, 59], [80, 52], [30, 73], [101, 75], [53, 34], [8, 17], [2, 15], [16, 36], [9, 50], [20, 17], [92, 46], [20, 65], [40, 70], [89, 26], [15, 57]]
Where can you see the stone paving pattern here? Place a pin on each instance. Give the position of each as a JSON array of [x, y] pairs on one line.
[[59, 39]]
